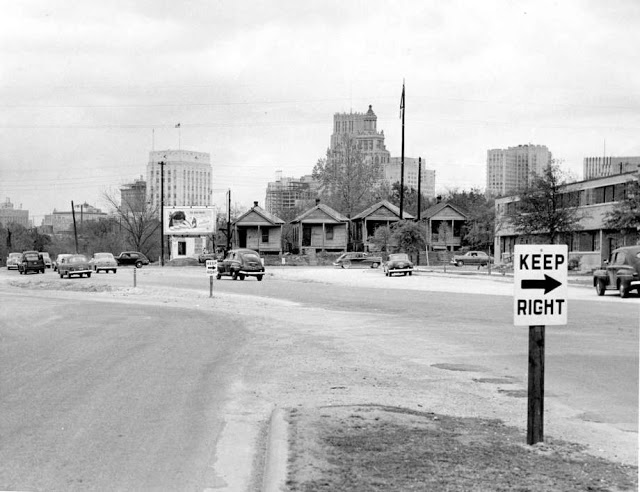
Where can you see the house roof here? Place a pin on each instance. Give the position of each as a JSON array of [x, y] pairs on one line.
[[383, 204], [269, 217], [335, 215], [438, 207]]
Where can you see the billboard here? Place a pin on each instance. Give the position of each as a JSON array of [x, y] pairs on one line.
[[190, 221]]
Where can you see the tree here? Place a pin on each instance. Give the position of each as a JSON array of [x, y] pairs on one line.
[[410, 203], [625, 215], [349, 182], [408, 236], [139, 221], [382, 238], [543, 209]]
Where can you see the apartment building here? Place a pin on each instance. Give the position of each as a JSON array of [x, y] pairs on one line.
[[427, 181], [510, 170], [598, 167]]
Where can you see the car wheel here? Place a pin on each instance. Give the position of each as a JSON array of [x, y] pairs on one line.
[[483, 264], [346, 264], [61, 275], [374, 265], [89, 275], [259, 277], [234, 275], [624, 290], [600, 287], [405, 274], [410, 273], [386, 273], [241, 276], [218, 277], [459, 263], [138, 264]]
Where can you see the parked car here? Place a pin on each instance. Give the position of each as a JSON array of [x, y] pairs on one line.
[[58, 260], [398, 263], [241, 263], [103, 261], [31, 261], [472, 258], [12, 261], [622, 273], [47, 259], [358, 260], [132, 258], [74, 265]]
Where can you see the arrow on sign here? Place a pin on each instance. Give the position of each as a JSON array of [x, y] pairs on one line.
[[548, 284]]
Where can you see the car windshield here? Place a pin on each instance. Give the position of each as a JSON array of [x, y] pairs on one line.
[[398, 256], [31, 256], [76, 259], [14, 255], [103, 256]]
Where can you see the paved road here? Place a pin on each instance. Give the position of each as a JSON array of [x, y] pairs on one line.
[[104, 396]]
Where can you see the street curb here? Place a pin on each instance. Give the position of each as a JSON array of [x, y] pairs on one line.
[[275, 463]]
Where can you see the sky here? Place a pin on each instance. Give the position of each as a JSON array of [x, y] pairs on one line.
[[88, 89]]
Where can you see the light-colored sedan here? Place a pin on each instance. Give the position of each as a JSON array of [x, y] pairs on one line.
[[12, 261], [104, 261], [59, 259], [74, 265]]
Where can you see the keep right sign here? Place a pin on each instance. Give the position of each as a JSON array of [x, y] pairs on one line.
[[540, 278]]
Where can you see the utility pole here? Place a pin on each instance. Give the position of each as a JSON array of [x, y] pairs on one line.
[[75, 230], [229, 222], [419, 186], [161, 164], [402, 105]]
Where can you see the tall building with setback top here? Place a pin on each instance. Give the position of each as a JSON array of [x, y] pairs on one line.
[[187, 178], [510, 170], [361, 127]]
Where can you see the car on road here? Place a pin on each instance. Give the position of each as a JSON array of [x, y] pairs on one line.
[[58, 260], [132, 258], [472, 258], [241, 263], [621, 273], [207, 256], [103, 261], [31, 261], [74, 265], [12, 261], [357, 260], [47, 259], [398, 263]]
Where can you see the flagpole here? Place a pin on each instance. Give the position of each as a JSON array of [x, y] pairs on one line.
[[402, 106]]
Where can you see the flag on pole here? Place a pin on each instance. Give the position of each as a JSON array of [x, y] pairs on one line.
[[178, 125], [402, 101]]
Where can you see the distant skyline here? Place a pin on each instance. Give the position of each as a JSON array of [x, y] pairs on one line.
[[87, 89]]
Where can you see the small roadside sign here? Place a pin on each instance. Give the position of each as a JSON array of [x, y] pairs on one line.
[[212, 267], [540, 284]]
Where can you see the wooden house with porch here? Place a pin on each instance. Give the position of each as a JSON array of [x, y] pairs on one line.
[[259, 230], [321, 228], [366, 222], [443, 226]]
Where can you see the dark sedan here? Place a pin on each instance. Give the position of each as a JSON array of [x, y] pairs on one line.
[[132, 258], [622, 273], [241, 263], [398, 263]]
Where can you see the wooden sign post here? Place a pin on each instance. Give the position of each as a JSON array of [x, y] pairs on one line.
[[540, 299]]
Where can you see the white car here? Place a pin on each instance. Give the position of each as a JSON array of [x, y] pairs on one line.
[[47, 259], [12, 261], [103, 261]]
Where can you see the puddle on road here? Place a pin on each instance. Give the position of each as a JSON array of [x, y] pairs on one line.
[[460, 367]]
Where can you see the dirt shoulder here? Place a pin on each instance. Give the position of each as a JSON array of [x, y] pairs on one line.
[[371, 447]]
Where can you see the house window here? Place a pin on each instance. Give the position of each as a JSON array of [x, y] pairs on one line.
[[328, 231], [182, 248], [265, 235]]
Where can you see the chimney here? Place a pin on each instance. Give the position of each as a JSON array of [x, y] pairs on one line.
[[255, 204], [317, 201]]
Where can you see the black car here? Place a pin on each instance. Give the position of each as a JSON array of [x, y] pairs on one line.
[[31, 261], [622, 273], [132, 258], [241, 263]]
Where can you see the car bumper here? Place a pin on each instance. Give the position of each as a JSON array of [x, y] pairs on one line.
[[399, 270], [76, 272], [250, 273]]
